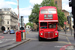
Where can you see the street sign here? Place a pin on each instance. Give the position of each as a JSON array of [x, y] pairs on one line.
[[65, 23]]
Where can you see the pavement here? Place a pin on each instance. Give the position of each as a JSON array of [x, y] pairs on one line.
[[9, 41], [13, 44]]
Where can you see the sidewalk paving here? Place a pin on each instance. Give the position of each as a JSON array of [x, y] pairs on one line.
[[68, 33], [10, 45]]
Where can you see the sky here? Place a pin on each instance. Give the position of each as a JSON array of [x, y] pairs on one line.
[[25, 6]]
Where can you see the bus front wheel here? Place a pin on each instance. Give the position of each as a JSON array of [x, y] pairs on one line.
[[56, 39], [40, 38]]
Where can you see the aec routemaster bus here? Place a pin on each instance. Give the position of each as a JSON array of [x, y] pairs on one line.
[[48, 20]]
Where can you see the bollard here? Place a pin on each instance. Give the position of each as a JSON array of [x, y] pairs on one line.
[[24, 36]]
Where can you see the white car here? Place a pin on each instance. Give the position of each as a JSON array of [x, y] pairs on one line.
[[5, 32]]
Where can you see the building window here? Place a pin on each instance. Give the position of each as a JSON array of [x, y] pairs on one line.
[[7, 22], [55, 2]]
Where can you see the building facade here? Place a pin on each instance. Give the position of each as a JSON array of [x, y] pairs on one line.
[[58, 3], [66, 13], [9, 18]]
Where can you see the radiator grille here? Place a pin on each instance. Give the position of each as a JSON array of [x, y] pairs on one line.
[[49, 34]]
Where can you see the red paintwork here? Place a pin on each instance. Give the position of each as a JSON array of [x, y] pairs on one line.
[[54, 20], [65, 46], [1, 37], [18, 36], [41, 16]]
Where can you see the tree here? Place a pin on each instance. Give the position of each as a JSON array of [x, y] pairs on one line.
[[35, 14], [30, 24], [48, 3], [61, 18]]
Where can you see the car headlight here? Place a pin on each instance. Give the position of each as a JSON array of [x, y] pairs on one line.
[[41, 33], [55, 33]]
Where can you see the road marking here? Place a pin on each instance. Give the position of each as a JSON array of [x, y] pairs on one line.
[[68, 40], [67, 47], [61, 42], [1, 37]]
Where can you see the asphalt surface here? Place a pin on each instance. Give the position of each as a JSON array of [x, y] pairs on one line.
[[34, 44], [7, 39]]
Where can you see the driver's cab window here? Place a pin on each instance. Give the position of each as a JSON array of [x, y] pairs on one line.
[[43, 25], [52, 25]]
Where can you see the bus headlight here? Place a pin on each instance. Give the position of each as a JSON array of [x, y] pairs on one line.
[[45, 16], [41, 33], [55, 33]]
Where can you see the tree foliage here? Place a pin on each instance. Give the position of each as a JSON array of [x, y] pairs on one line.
[[61, 18], [35, 12], [30, 24]]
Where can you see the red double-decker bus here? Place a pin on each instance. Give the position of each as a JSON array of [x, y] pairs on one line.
[[48, 20]]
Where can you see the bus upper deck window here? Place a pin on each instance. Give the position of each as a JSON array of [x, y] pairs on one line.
[[44, 11]]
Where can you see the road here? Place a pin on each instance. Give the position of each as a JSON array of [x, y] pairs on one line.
[[7, 39], [34, 44]]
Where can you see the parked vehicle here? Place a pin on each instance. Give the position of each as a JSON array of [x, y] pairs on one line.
[[12, 31], [5, 32]]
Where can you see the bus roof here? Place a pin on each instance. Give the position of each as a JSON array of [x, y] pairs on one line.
[[46, 7]]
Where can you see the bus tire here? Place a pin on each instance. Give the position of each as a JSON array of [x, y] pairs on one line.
[[56, 39], [40, 39]]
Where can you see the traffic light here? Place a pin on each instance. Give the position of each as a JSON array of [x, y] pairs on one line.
[[21, 21], [72, 3]]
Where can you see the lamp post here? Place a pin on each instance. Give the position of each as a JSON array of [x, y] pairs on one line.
[[18, 13]]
